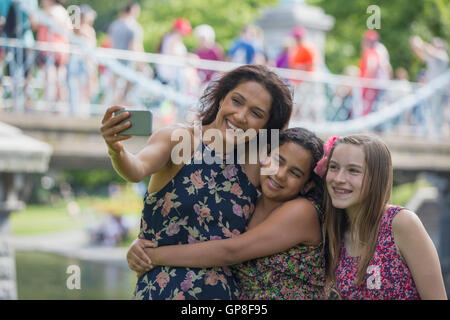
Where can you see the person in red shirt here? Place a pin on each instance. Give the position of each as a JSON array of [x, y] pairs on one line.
[[303, 56], [374, 64]]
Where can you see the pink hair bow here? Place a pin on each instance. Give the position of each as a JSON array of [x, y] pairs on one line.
[[321, 165]]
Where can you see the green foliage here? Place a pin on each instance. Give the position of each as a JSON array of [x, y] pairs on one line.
[[227, 17], [43, 219], [91, 180], [75, 214], [400, 20], [402, 194]]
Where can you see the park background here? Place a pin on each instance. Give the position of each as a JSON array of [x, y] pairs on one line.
[[66, 207]]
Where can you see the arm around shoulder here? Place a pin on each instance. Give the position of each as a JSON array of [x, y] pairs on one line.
[[293, 223], [419, 252]]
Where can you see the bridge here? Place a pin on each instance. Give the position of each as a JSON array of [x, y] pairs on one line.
[[77, 143], [413, 118], [413, 121]]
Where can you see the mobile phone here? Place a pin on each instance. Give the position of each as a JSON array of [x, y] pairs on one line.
[[141, 122]]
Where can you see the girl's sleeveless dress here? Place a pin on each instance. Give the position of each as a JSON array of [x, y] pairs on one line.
[[388, 277], [202, 202]]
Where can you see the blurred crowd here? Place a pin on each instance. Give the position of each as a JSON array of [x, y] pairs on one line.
[[78, 80]]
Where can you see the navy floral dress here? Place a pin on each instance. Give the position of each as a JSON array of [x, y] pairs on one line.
[[202, 202]]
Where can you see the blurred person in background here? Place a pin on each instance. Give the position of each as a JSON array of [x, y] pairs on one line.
[[309, 97], [303, 55], [345, 99], [436, 58], [4, 9], [374, 64], [401, 88], [247, 48], [434, 55], [282, 60], [125, 33], [55, 63], [82, 70], [16, 23], [207, 49], [172, 44]]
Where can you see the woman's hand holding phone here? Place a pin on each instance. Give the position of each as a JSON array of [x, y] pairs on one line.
[[112, 125]]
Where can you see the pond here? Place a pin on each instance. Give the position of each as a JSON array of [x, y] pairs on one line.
[[43, 276]]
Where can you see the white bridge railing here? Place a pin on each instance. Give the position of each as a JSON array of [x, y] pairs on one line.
[[323, 102]]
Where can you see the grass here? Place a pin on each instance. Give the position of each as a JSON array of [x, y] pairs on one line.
[[403, 193], [41, 219]]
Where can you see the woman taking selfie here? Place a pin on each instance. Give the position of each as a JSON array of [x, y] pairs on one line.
[[249, 97]]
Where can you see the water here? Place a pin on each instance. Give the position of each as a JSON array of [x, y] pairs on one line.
[[43, 276]]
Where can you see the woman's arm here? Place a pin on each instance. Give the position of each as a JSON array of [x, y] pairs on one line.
[[418, 250], [293, 223], [153, 157]]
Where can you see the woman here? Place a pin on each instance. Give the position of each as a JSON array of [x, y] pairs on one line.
[[55, 63], [376, 250], [283, 233], [249, 97]]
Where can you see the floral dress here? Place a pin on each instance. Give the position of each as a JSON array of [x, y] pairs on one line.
[[294, 274], [388, 276], [202, 202]]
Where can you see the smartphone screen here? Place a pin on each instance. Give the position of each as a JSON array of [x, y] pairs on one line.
[[141, 123]]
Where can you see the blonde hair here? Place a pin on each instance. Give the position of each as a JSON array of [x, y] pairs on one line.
[[375, 195]]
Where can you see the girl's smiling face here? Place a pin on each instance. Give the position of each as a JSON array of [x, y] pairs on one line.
[[294, 168], [345, 177]]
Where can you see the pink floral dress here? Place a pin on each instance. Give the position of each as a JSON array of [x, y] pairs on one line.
[[388, 277], [202, 202]]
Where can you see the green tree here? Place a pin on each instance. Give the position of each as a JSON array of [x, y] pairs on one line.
[[227, 17], [400, 19]]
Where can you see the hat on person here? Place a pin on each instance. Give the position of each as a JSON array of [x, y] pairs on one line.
[[205, 31], [298, 32], [371, 35], [86, 9], [182, 25]]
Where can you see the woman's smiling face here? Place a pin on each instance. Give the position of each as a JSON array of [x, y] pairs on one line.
[[345, 176], [245, 107]]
